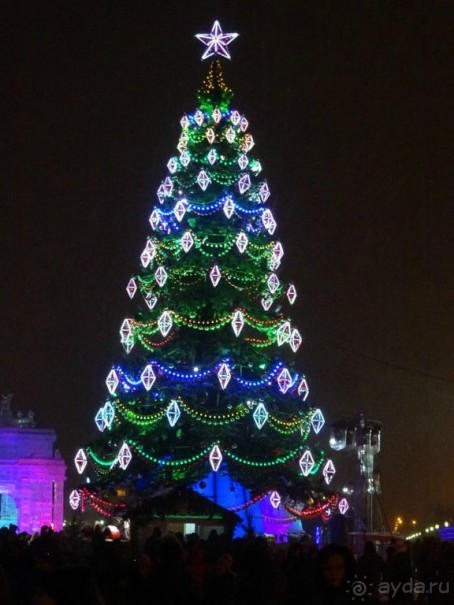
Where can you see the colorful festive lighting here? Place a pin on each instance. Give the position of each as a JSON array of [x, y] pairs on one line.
[[291, 294], [187, 241], [154, 219], [203, 180], [150, 299], [131, 288], [237, 322], [216, 42], [283, 333], [229, 207], [242, 242], [266, 303], [74, 499], [224, 375], [275, 499], [243, 161], [172, 165], [215, 275], [212, 156], [215, 458], [284, 380], [165, 323], [268, 221], [210, 135], [329, 471], [173, 413], [199, 117], [303, 389], [180, 210], [295, 340], [306, 463], [317, 421], [124, 456], [260, 415], [343, 506], [80, 460], [273, 283], [264, 192], [244, 183], [160, 276], [148, 377], [112, 381]]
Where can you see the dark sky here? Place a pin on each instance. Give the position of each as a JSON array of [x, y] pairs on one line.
[[349, 104]]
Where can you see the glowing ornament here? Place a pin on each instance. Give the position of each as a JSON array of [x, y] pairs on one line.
[[303, 389], [273, 283], [173, 413], [172, 165], [284, 380], [278, 251], [184, 122], [216, 42], [242, 242], [99, 420], [268, 221], [128, 344], [215, 458], [229, 207], [244, 183], [329, 471], [108, 413], [295, 340], [180, 210], [145, 258], [124, 456], [237, 322], [306, 463], [216, 115], [343, 506], [148, 377], [182, 144], [160, 276], [256, 167], [210, 135], [212, 156], [165, 323], [126, 329], [235, 118], [112, 381], [80, 460], [131, 288], [154, 219], [203, 180], [244, 124], [266, 303], [317, 421], [243, 161], [264, 192], [187, 241], [161, 194], [185, 158], [275, 499], [274, 264], [74, 499], [215, 275], [230, 135], [260, 415], [150, 299], [168, 183], [224, 375], [248, 143], [291, 294], [283, 333], [199, 117]]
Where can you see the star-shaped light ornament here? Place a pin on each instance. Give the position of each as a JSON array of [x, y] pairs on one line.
[[216, 42]]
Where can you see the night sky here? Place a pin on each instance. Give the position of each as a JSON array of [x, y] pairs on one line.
[[350, 107]]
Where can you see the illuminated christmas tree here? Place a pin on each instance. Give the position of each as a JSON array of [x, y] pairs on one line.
[[208, 386]]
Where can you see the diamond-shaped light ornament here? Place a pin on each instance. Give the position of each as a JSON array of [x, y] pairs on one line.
[[172, 165], [243, 161], [291, 294], [168, 183], [124, 456], [317, 421], [180, 210], [187, 241], [230, 135], [185, 158], [199, 117], [216, 115], [173, 412], [216, 42], [160, 276], [224, 375], [108, 413], [264, 192], [273, 283], [131, 288], [295, 340], [80, 460], [229, 207], [248, 143], [210, 135], [126, 329], [343, 506], [284, 380], [151, 248], [165, 323], [148, 377], [306, 462], [203, 180], [215, 275], [112, 381], [237, 322], [154, 219], [215, 458], [274, 264], [145, 258], [244, 183], [260, 415], [275, 499], [212, 156], [99, 420], [242, 242], [184, 121], [235, 118], [150, 299], [244, 124], [303, 389], [74, 499], [278, 251], [329, 471], [283, 333], [268, 221], [266, 303], [127, 343], [161, 193]]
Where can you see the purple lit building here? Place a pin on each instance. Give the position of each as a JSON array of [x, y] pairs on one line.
[[32, 473]]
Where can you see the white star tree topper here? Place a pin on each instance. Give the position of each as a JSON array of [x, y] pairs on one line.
[[216, 42]]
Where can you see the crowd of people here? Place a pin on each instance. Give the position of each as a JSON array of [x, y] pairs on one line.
[[88, 567]]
